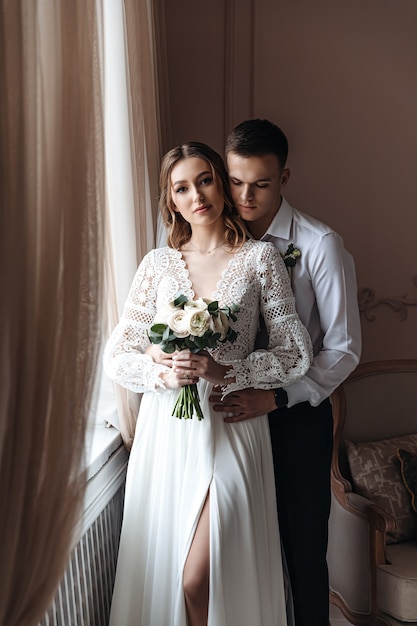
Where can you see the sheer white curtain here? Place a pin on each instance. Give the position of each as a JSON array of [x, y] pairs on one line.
[[132, 157]]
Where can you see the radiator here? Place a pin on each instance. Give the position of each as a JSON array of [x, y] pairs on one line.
[[83, 597]]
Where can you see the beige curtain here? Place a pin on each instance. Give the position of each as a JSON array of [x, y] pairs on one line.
[[138, 193], [51, 239]]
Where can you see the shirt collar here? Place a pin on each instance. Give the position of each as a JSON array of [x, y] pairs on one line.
[[281, 224]]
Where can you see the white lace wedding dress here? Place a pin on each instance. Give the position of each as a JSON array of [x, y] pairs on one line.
[[174, 463]]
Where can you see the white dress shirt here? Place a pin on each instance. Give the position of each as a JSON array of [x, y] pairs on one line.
[[325, 290]]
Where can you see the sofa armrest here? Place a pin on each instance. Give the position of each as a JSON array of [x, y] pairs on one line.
[[357, 529], [379, 519], [349, 555]]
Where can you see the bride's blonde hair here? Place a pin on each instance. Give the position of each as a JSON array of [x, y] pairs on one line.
[[179, 230]]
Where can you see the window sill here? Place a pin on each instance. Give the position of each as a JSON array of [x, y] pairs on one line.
[[104, 441], [105, 455], [106, 472]]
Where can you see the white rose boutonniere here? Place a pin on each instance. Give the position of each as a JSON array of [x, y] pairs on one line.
[[290, 258], [291, 255]]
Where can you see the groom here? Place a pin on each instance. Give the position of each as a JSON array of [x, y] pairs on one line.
[[300, 417]]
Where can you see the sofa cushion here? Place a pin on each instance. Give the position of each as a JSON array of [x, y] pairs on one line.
[[376, 475], [408, 463], [397, 582]]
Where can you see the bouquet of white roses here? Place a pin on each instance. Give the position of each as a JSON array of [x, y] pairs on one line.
[[196, 325]]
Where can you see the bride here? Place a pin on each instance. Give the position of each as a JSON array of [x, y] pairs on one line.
[[200, 541]]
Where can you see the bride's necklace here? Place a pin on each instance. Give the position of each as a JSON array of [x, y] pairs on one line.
[[206, 251]]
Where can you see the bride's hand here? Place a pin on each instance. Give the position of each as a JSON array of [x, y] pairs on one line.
[[200, 365], [160, 357], [178, 378]]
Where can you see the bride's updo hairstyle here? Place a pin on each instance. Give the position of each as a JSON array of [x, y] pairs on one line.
[[179, 230]]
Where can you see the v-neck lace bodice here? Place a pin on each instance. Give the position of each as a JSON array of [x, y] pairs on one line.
[[256, 279], [212, 295]]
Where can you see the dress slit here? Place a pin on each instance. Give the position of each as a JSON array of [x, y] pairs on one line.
[[192, 533]]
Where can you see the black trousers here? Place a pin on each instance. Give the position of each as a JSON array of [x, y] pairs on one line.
[[302, 440]]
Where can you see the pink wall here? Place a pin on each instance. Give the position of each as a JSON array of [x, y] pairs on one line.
[[341, 80]]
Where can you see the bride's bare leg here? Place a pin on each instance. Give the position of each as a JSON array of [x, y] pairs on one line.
[[197, 571]]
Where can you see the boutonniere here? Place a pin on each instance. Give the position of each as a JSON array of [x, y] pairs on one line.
[[291, 255]]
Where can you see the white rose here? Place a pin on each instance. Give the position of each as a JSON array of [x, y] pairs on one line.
[[178, 322], [164, 314], [198, 322], [220, 324], [196, 305]]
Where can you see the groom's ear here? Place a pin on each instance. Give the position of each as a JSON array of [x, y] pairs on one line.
[[285, 176]]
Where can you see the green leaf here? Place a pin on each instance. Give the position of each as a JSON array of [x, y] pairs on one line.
[[168, 348], [180, 300], [155, 333], [158, 328], [200, 342], [213, 306], [155, 339], [189, 342], [290, 261], [231, 335], [212, 341], [168, 335]]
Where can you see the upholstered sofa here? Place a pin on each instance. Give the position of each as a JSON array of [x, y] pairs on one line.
[[372, 553]]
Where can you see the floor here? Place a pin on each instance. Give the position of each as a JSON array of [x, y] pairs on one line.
[[337, 618]]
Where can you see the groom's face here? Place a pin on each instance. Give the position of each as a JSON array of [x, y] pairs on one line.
[[256, 183]]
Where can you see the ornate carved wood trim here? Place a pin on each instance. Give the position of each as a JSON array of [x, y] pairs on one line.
[[368, 301]]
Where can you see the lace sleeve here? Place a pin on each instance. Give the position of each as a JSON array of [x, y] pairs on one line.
[[289, 354], [124, 360]]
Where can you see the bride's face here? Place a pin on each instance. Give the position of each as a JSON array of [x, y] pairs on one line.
[[195, 193]]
